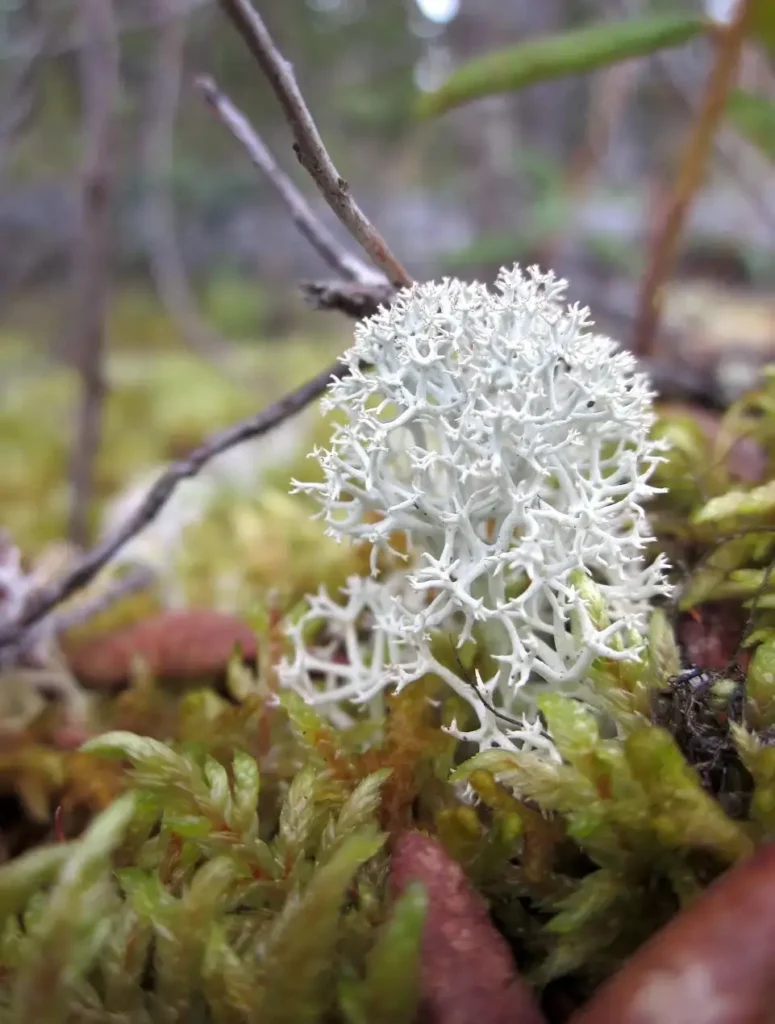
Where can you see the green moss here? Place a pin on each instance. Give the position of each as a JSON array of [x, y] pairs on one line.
[[245, 874]]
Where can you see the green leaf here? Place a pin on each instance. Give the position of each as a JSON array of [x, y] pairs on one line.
[[567, 53], [713, 571], [359, 811], [123, 965], [754, 118], [760, 762], [228, 980], [127, 745], [218, 782], [554, 787], [594, 896], [589, 920], [760, 687], [75, 923], [25, 875], [98, 842], [682, 813], [663, 651], [738, 508], [593, 598], [309, 727], [155, 763], [246, 788], [182, 931], [301, 817], [685, 470], [571, 725], [299, 961], [390, 989]]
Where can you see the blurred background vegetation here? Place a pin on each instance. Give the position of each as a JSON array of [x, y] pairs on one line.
[[203, 318]]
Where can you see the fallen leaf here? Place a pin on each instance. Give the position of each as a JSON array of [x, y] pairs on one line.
[[467, 975], [713, 964], [174, 646], [711, 635]]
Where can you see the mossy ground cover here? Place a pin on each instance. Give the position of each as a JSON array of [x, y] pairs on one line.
[[219, 852]]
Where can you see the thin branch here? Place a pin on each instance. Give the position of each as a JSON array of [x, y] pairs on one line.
[[138, 578], [99, 86], [42, 602], [692, 169], [728, 160], [308, 145], [45, 600], [309, 225], [354, 300]]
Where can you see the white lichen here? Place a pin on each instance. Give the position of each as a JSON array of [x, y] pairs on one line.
[[509, 446]]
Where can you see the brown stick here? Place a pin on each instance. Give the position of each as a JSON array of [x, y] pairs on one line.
[[354, 300], [303, 216], [46, 599], [138, 578], [99, 86], [692, 168], [40, 604], [308, 145]]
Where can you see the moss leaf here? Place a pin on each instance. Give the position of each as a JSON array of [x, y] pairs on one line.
[[682, 813], [390, 990], [299, 959]]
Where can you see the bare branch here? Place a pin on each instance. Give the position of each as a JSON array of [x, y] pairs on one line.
[[99, 87], [137, 579], [698, 150], [354, 300], [308, 145], [309, 225], [45, 600]]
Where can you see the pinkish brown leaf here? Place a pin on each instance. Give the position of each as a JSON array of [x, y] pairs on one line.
[[175, 647], [713, 964], [467, 974], [711, 635]]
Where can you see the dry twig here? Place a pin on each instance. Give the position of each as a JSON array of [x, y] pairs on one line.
[[99, 87], [48, 598], [303, 216], [354, 300], [137, 579], [43, 602], [308, 145], [692, 169], [359, 294]]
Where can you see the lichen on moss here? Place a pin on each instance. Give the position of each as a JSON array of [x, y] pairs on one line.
[[221, 850]]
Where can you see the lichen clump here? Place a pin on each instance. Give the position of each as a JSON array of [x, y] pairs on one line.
[[508, 447]]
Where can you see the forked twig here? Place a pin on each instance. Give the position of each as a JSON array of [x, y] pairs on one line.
[[308, 145], [100, 82], [314, 157], [309, 225]]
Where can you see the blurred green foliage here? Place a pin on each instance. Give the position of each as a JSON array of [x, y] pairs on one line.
[[163, 400]]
